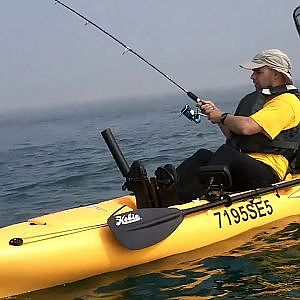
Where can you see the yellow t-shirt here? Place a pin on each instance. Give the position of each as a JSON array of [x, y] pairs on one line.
[[280, 113]]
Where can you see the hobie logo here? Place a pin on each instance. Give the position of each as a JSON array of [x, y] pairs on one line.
[[127, 219]]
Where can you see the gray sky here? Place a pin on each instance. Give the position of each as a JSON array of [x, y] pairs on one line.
[[48, 56]]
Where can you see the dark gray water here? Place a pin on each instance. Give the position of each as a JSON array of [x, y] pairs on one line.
[[55, 159]]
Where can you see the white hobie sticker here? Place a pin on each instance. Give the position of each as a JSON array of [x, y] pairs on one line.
[[127, 219]]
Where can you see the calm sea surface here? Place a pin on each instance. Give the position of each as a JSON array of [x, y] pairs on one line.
[[56, 159]]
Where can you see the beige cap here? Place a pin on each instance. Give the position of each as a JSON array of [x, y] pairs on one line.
[[272, 58]]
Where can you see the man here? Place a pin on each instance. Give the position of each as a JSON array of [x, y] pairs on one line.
[[262, 136]]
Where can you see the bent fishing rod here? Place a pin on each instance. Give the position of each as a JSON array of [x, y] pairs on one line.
[[187, 111]]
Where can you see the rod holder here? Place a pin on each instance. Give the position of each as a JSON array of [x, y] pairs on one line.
[[115, 151]]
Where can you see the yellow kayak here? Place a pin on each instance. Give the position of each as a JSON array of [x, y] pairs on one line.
[[75, 244]]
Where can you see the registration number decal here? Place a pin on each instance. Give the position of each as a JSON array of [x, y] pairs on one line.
[[243, 213]]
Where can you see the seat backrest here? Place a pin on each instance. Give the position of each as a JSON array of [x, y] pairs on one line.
[[295, 163], [216, 176]]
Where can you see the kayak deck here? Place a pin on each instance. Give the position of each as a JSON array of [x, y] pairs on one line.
[[74, 244]]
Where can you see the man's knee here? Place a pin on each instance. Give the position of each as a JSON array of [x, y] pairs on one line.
[[202, 156], [203, 152]]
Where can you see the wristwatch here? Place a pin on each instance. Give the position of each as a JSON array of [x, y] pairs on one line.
[[223, 117]]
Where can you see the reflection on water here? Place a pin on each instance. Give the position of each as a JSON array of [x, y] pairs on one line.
[[262, 264]]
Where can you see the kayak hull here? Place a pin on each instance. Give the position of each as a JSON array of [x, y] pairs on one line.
[[75, 244]]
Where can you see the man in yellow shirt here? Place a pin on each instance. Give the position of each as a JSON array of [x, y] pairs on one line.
[[262, 136]]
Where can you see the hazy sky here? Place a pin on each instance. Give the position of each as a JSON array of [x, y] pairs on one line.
[[49, 56]]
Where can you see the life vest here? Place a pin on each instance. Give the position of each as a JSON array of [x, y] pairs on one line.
[[286, 143]]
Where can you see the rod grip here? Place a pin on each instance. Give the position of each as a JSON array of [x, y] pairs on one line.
[[115, 151], [193, 96]]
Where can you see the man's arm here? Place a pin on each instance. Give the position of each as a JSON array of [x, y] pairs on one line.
[[225, 130], [237, 124]]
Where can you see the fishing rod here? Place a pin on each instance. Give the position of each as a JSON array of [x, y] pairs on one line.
[[187, 111], [296, 17]]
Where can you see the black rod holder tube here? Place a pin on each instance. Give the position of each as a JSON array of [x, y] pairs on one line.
[[115, 151]]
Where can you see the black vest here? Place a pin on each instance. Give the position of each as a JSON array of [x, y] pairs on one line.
[[286, 143]]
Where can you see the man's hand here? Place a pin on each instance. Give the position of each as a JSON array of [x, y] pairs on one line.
[[211, 110]]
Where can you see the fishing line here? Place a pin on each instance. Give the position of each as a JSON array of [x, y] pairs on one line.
[[129, 49]]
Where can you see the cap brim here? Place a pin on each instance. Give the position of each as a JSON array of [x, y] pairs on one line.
[[252, 65]]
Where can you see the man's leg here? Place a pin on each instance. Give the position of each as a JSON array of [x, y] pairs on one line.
[[188, 187], [246, 172]]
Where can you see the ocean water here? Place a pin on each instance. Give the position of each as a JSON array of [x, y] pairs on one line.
[[55, 159]]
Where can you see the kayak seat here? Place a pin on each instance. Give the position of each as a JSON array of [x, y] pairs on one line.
[[215, 179], [295, 163]]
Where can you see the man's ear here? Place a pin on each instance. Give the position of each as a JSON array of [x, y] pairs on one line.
[[278, 76]]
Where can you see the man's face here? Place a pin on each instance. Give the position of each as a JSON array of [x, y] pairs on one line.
[[262, 77]]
